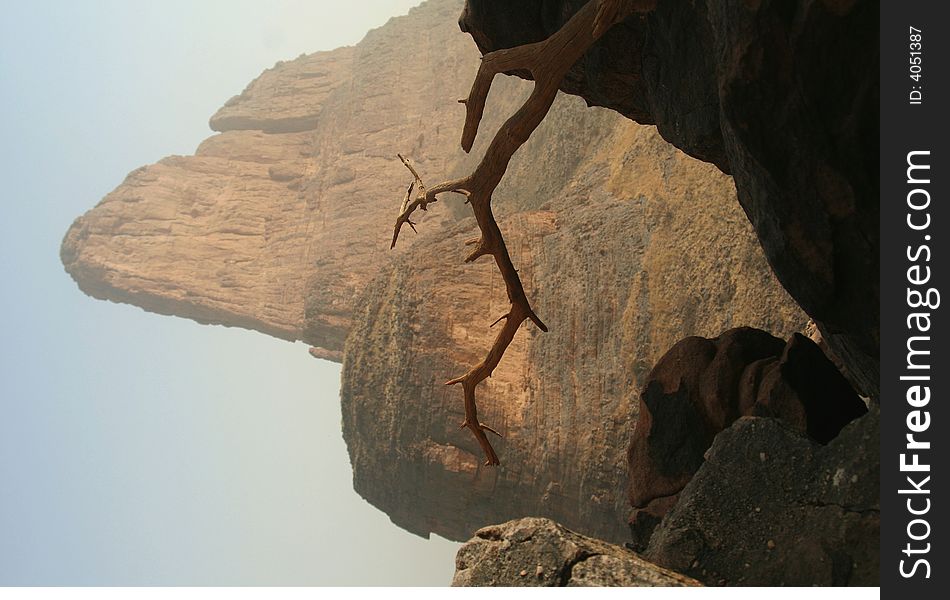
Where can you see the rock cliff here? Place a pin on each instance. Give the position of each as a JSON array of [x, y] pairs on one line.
[[784, 97], [781, 95], [281, 223]]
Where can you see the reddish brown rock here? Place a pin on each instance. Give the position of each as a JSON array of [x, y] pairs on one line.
[[256, 230], [625, 245], [701, 386], [615, 272]]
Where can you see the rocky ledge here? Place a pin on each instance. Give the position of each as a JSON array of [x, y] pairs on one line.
[[539, 552], [783, 96], [701, 386]]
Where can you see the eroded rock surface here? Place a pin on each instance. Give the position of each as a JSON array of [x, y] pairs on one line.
[[282, 223], [769, 507], [701, 386], [617, 263], [259, 228], [532, 552], [781, 95]]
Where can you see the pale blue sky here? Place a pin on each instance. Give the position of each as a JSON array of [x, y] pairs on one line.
[[135, 448]]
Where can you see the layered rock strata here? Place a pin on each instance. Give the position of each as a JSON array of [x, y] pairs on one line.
[[617, 270], [281, 223], [278, 222]]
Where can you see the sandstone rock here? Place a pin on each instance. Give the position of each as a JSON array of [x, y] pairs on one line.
[[626, 245], [805, 514], [782, 96], [539, 552], [256, 230], [616, 273], [272, 102], [701, 386]]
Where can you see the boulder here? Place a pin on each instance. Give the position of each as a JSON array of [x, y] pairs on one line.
[[702, 385], [534, 552], [770, 507]]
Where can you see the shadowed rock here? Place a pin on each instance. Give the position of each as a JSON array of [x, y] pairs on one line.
[[702, 385], [770, 507], [782, 96]]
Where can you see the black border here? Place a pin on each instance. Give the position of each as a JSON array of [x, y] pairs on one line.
[[907, 127]]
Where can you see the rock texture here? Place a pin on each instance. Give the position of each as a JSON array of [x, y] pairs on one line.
[[769, 507], [781, 95], [281, 223], [701, 386], [533, 552], [256, 229], [629, 255]]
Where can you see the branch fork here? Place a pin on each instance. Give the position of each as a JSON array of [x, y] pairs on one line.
[[547, 62]]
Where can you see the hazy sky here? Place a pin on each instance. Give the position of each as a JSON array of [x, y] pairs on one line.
[[140, 449]]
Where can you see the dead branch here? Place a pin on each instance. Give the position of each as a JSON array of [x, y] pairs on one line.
[[547, 62]]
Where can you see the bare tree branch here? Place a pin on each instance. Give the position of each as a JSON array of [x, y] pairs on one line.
[[547, 62]]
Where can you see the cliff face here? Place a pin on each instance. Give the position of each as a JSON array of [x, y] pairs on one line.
[[641, 246], [257, 229], [783, 96], [282, 221]]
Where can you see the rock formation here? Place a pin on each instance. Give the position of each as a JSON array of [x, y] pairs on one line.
[[257, 229], [701, 386], [282, 221], [533, 552], [782, 96], [769, 507]]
